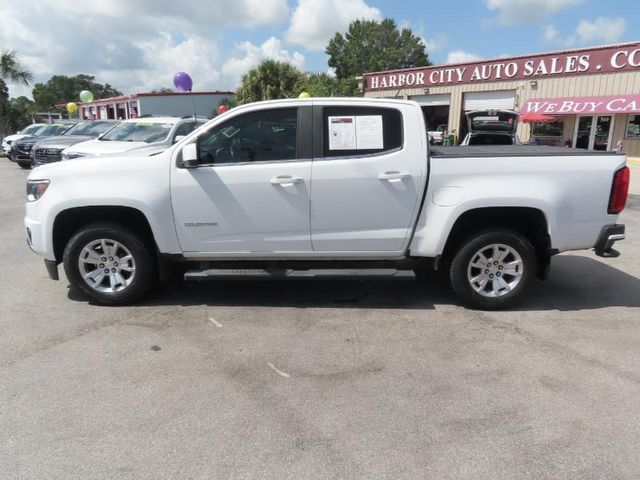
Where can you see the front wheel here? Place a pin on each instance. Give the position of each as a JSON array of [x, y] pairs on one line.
[[24, 164], [493, 270], [109, 263]]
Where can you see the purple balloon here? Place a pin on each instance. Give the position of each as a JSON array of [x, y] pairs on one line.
[[183, 81]]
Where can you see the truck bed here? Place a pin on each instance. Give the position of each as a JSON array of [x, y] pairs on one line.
[[513, 151]]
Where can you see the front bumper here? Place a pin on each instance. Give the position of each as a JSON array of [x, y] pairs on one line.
[[610, 234]]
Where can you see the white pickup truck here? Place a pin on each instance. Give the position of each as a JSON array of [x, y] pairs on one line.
[[324, 183]]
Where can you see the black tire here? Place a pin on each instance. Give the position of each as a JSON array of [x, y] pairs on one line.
[[505, 298], [145, 266], [25, 164]]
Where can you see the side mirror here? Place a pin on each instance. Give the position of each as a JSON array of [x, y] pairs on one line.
[[179, 138], [189, 156]]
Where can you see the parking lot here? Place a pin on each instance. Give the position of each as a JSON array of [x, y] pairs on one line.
[[368, 377]]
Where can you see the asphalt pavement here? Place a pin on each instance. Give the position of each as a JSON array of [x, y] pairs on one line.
[[368, 377]]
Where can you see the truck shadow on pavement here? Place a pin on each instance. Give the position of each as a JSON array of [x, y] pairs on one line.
[[575, 283]]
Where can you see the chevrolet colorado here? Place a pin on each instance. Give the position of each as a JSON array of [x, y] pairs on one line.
[[333, 183]]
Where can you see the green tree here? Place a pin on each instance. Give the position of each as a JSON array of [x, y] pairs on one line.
[[16, 114], [370, 46], [323, 85], [63, 89], [10, 68], [270, 80], [4, 109]]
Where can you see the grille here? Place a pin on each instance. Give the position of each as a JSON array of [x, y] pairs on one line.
[[22, 148], [47, 154]]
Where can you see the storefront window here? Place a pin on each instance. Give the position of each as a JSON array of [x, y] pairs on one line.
[[547, 133], [633, 127], [555, 129]]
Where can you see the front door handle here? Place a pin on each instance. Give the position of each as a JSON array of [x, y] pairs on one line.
[[285, 180], [394, 176]]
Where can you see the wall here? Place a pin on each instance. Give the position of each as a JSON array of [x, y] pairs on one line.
[[180, 105]]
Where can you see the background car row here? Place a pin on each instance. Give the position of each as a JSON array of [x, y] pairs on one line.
[[40, 144]]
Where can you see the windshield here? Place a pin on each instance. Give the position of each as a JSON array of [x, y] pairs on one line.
[[31, 129], [53, 129], [496, 121], [147, 132], [90, 129]]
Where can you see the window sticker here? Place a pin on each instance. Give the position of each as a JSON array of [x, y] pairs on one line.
[[342, 133], [369, 132], [362, 132]]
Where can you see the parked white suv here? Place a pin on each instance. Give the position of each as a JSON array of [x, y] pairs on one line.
[[26, 131], [140, 136]]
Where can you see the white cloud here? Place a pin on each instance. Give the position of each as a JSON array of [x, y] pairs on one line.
[[315, 22], [436, 43], [513, 12], [272, 49], [128, 43], [601, 30], [550, 33], [460, 56]]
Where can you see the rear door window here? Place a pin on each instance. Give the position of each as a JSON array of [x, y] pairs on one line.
[[357, 131]]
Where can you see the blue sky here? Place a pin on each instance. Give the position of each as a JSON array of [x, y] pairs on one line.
[[135, 47]]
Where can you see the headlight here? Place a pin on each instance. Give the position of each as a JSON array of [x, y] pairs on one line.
[[36, 189], [72, 155]]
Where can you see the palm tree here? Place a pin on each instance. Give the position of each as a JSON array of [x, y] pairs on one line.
[[269, 81], [10, 68]]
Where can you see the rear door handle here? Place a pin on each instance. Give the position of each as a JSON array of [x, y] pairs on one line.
[[285, 180], [394, 176]]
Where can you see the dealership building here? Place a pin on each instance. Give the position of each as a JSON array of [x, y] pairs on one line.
[[165, 103], [592, 93]]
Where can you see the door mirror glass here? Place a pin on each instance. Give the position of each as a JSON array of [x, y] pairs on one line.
[[189, 156]]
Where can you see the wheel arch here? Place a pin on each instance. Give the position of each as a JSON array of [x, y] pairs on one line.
[[69, 221], [531, 222]]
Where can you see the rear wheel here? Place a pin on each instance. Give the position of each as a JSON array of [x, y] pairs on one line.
[[493, 270], [109, 263]]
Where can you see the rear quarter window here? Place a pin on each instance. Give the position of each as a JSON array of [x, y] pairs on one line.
[[358, 129]]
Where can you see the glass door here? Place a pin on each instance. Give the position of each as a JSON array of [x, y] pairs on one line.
[[593, 132], [583, 132], [602, 134]]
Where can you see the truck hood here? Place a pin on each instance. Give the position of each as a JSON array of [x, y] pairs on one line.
[[14, 137], [62, 141], [28, 140], [90, 166], [96, 147], [148, 150]]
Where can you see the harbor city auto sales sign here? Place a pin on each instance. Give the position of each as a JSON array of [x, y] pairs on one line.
[[617, 58]]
